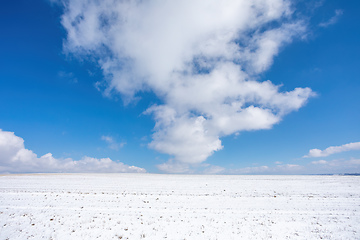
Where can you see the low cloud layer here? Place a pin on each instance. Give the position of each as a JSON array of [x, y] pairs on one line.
[[332, 150], [278, 169], [337, 166], [15, 158], [202, 59]]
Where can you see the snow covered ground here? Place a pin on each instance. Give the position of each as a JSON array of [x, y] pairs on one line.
[[147, 206]]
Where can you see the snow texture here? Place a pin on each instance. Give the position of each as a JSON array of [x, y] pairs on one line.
[[147, 206]]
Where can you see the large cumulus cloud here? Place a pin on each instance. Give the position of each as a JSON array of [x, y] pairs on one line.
[[202, 59]]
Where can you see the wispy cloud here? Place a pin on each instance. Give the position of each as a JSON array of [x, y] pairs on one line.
[[112, 144], [15, 158], [332, 150], [334, 19], [201, 58], [68, 76], [319, 162]]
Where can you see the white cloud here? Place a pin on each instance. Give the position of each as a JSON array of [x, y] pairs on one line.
[[211, 169], [178, 167], [337, 166], [185, 137], [112, 144], [319, 162], [68, 76], [354, 162], [201, 58], [339, 163], [15, 158], [174, 167], [334, 19], [278, 169], [250, 170], [332, 150]]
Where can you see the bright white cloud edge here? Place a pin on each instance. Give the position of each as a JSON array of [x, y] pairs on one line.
[[202, 59], [333, 150], [15, 158]]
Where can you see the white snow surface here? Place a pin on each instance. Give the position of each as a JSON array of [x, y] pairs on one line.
[[150, 206]]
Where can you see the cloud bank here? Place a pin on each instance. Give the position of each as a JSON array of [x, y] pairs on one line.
[[202, 59], [15, 158], [336, 166], [332, 150], [341, 166]]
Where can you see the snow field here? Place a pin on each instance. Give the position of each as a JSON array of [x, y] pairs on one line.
[[148, 206]]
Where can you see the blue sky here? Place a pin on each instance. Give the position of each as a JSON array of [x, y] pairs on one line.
[[136, 91]]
